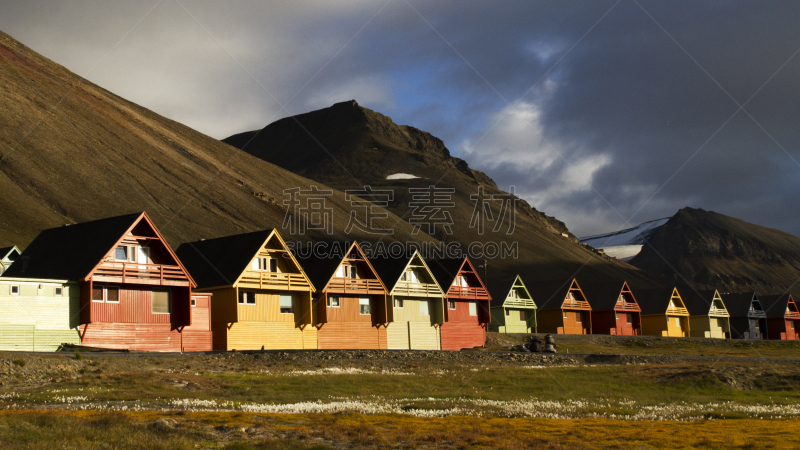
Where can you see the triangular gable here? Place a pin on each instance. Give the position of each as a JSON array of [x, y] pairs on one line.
[[526, 303], [627, 290], [277, 236], [467, 267], [574, 287], [355, 254], [718, 298], [6, 253], [676, 299], [418, 257], [144, 217]]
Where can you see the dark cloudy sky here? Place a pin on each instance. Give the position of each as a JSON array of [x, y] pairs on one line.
[[601, 113]]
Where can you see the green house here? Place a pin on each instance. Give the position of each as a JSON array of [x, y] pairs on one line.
[[513, 309], [7, 256]]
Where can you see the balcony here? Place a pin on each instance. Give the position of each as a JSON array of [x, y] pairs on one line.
[[355, 286], [791, 315], [271, 280], [718, 312], [128, 272], [408, 289], [576, 304], [469, 293], [676, 311], [627, 306]]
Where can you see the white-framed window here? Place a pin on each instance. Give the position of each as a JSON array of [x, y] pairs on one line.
[[671, 304], [333, 301], [161, 303], [571, 296], [59, 291], [347, 271], [121, 253], [363, 305], [287, 303], [508, 313], [194, 302], [513, 293], [265, 264], [97, 293], [105, 294], [460, 281], [14, 289], [411, 276], [424, 309], [398, 303], [247, 298], [473, 308], [452, 304], [677, 321], [621, 299]]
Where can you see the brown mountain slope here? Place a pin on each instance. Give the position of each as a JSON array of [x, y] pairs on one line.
[[714, 251], [71, 151], [347, 146]]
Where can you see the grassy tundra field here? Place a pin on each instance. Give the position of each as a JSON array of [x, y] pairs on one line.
[[663, 398]]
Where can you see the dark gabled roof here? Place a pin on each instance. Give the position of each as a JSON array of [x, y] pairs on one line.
[[321, 270], [654, 301], [220, 261], [698, 303], [775, 305], [71, 252], [390, 269], [603, 296], [445, 271], [499, 288], [549, 294], [738, 303]]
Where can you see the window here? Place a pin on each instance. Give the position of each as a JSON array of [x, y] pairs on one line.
[[97, 293], [677, 321], [265, 264], [720, 322], [578, 317], [571, 296], [345, 271], [667, 320], [513, 294], [59, 292], [353, 272], [424, 310], [121, 253], [15, 289], [287, 304], [616, 315], [161, 302], [273, 265], [792, 322], [460, 281], [629, 316], [473, 309], [522, 315], [363, 305], [112, 294], [508, 313], [398, 303], [621, 299], [247, 298], [333, 301], [452, 304], [565, 314], [671, 304], [194, 302]]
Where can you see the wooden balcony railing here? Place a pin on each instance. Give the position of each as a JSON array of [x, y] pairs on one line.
[[416, 289], [471, 293], [576, 304], [718, 312], [792, 315], [627, 306], [128, 272], [676, 311], [355, 286], [271, 280], [519, 303]]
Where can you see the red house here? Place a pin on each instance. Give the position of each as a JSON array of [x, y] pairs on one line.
[[467, 312], [134, 292], [783, 317], [614, 309]]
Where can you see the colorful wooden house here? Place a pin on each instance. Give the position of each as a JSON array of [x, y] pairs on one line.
[[262, 298], [747, 317], [467, 312], [7, 257], [416, 301], [708, 316], [562, 307], [350, 310], [134, 292], [614, 309], [38, 315], [663, 313], [513, 309], [783, 318]]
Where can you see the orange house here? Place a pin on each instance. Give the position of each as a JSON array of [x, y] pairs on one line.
[[563, 308]]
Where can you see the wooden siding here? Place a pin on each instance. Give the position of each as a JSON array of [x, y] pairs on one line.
[[28, 338], [708, 327], [658, 325], [512, 323], [549, 321], [134, 306], [349, 310], [224, 308], [36, 319], [351, 335], [270, 335], [197, 336], [412, 330], [615, 323], [781, 329], [154, 337], [267, 308], [459, 335]]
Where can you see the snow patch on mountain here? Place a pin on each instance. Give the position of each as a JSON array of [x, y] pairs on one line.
[[627, 243], [401, 176]]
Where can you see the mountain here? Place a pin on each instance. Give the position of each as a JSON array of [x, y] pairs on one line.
[[627, 243], [713, 251], [71, 151], [347, 146]]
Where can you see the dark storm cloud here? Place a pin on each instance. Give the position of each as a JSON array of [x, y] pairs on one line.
[[603, 137]]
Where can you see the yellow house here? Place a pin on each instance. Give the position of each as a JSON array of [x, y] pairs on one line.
[[708, 316], [416, 302], [262, 298], [663, 313]]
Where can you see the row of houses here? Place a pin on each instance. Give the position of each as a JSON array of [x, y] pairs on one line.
[[116, 283]]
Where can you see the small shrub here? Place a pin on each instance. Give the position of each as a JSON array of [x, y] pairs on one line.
[[78, 355], [20, 362]]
